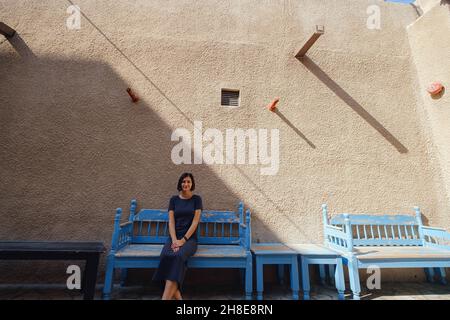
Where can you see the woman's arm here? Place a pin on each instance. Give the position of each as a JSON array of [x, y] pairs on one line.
[[193, 227], [172, 232]]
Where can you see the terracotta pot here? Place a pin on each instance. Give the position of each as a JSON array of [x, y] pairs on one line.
[[435, 88]]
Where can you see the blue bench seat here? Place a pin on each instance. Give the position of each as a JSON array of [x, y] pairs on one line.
[[154, 250], [396, 253]]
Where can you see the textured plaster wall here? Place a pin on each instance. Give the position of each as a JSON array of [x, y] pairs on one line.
[[74, 148], [431, 55]]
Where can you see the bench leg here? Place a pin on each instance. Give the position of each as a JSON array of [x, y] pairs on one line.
[[280, 269], [123, 277], [109, 275], [259, 279], [242, 276], [429, 272], [354, 278], [339, 279], [305, 279], [294, 278], [90, 276], [441, 272], [322, 273], [331, 273], [249, 279]]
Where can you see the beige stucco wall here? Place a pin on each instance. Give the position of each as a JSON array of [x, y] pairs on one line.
[[74, 148], [430, 49]]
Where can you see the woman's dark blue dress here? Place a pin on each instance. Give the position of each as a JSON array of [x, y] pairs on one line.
[[173, 265]]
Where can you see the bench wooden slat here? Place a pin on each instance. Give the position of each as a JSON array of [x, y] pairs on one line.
[[166, 226], [271, 248], [311, 249], [391, 242], [151, 214], [413, 233], [51, 246], [368, 219], [371, 253], [207, 216], [153, 251]]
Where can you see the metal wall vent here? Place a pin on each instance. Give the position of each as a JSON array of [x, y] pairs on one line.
[[230, 98]]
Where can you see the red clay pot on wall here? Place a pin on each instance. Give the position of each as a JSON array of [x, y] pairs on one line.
[[435, 88]]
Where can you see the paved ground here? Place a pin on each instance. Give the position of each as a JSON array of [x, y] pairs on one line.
[[389, 291]]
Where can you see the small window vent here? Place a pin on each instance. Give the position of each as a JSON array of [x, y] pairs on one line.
[[230, 98]]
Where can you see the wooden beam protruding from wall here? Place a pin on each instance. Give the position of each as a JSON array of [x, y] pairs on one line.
[[320, 30]]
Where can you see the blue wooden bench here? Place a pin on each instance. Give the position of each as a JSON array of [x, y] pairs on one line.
[[223, 242], [386, 241]]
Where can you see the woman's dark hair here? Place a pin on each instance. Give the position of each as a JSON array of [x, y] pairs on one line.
[[180, 181]]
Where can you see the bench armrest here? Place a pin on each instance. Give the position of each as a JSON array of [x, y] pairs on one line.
[[436, 237], [336, 238], [125, 234], [245, 233], [432, 228], [126, 224], [122, 232]]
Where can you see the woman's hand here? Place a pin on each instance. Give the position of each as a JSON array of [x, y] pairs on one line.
[[174, 246], [177, 244]]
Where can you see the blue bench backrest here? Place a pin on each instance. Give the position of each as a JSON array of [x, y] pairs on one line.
[[151, 226], [380, 230]]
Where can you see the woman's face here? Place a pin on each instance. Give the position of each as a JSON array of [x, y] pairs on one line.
[[186, 184]]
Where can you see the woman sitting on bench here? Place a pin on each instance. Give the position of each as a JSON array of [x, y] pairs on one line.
[[184, 216]]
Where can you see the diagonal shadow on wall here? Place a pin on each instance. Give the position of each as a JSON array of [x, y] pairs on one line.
[[352, 103], [293, 127]]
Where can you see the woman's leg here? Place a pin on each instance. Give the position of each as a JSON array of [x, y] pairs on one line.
[[177, 295], [169, 290], [178, 269]]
